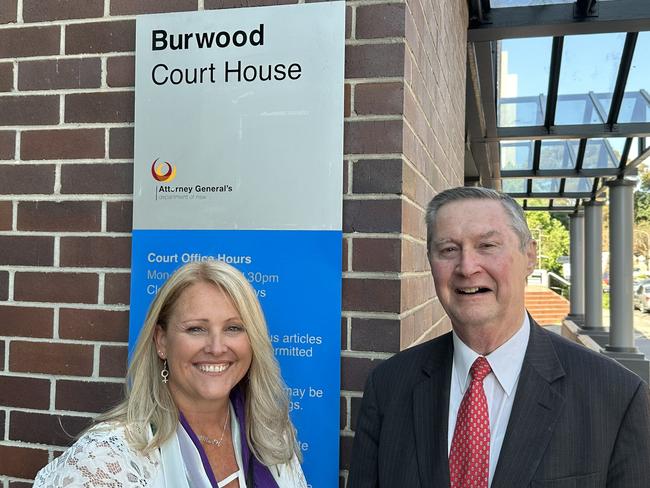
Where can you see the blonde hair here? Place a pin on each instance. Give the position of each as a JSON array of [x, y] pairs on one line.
[[269, 431]]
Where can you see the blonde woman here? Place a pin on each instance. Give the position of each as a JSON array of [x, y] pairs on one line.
[[205, 404]]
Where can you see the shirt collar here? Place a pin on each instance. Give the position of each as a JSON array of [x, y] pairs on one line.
[[505, 361]]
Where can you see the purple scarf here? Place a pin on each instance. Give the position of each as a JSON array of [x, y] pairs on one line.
[[257, 475]]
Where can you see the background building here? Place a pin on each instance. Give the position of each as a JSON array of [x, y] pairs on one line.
[[66, 149]]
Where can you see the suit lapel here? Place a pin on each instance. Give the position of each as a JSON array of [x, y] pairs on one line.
[[431, 413], [535, 410]]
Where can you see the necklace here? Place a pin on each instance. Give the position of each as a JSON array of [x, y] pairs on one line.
[[219, 441]]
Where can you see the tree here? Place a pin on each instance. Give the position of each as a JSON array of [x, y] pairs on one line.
[[642, 215], [642, 198], [552, 239]]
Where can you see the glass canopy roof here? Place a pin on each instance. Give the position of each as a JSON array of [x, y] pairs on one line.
[[572, 107]]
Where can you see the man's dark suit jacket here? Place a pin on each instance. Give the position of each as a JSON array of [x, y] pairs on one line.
[[579, 420]]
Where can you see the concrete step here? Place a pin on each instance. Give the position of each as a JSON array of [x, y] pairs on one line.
[[546, 306]]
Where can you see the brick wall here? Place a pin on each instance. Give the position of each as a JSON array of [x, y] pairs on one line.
[[66, 156], [404, 133]]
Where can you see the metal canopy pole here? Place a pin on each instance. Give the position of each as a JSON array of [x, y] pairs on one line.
[[621, 216], [577, 260], [621, 331], [593, 267]]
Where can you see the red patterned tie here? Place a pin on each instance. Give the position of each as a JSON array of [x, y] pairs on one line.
[[469, 458]]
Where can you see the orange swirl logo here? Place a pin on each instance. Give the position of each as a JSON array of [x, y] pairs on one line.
[[163, 172]]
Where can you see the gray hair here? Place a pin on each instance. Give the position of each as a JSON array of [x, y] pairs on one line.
[[513, 209]]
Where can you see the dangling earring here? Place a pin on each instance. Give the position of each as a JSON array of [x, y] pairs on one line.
[[164, 372]]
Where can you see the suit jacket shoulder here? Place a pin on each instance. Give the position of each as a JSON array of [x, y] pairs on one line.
[[412, 365]]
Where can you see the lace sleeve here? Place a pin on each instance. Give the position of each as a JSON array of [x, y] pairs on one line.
[[100, 458]]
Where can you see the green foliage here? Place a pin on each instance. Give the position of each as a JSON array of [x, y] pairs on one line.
[[642, 199], [606, 301], [552, 239]]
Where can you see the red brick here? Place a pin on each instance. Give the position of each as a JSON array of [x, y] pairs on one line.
[[345, 451], [355, 404], [119, 216], [135, 7], [100, 37], [383, 20], [94, 325], [21, 462], [9, 11], [56, 287], [112, 361], [416, 290], [100, 107], [374, 60], [62, 144], [348, 22], [354, 372], [88, 396], [375, 335], [97, 178], [347, 100], [372, 215], [344, 333], [24, 392], [4, 285], [117, 288], [120, 143], [219, 4], [38, 11], [29, 110], [371, 295], [413, 221], [96, 252], [377, 176], [29, 41], [6, 215], [53, 74], [343, 413], [26, 250], [120, 71], [51, 358], [373, 137], [376, 254], [25, 321], [379, 99], [59, 430], [6, 77], [7, 144], [2, 357], [22, 179], [414, 256], [59, 216], [19, 484]]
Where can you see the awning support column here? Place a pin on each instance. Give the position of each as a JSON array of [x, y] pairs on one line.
[[593, 268], [577, 261]]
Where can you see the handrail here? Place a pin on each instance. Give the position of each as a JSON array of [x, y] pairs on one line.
[[564, 287], [557, 277]]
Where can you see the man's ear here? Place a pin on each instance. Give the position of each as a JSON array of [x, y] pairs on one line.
[[531, 255]]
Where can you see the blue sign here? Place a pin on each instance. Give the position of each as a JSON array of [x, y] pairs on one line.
[[239, 158]]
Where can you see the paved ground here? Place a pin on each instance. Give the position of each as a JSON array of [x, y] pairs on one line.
[[641, 327]]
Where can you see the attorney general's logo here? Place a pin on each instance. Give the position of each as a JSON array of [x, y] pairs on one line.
[[163, 172]]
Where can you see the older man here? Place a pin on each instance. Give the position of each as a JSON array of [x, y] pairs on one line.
[[499, 402]]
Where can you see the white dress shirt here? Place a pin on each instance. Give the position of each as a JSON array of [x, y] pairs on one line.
[[499, 386]]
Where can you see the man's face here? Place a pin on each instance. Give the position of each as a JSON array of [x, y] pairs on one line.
[[478, 267]]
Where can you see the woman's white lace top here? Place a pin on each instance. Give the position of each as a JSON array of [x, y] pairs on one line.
[[102, 457]]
